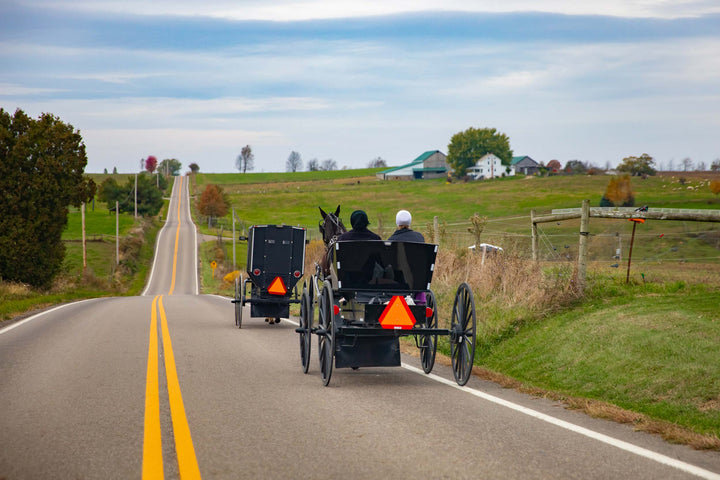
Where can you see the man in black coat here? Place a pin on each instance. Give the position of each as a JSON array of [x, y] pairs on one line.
[[403, 219], [359, 221]]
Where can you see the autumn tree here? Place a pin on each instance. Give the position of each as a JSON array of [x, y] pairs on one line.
[[554, 166], [42, 164], [246, 160], [151, 164], [467, 147], [294, 162], [575, 167], [636, 166], [715, 187], [618, 193], [213, 202]]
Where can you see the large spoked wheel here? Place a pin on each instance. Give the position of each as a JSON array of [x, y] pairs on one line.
[[306, 316], [326, 337], [462, 334], [238, 301], [428, 343]]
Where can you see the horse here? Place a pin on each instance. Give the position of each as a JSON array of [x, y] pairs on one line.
[[331, 227]]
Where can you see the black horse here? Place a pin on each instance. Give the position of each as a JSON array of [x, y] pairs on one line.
[[331, 227]]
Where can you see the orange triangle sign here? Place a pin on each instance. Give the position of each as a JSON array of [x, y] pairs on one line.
[[277, 287], [397, 314]]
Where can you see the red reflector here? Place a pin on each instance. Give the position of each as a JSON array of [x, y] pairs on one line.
[[256, 272], [336, 309], [277, 287], [428, 312], [397, 314], [297, 273]]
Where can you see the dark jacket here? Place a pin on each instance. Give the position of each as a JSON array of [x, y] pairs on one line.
[[406, 235], [359, 234]]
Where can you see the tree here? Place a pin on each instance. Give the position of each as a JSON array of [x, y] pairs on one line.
[[715, 187], [636, 166], [194, 167], [213, 202], [151, 164], [378, 162], [554, 166], [328, 164], [294, 162], [618, 193], [701, 167], [313, 165], [114, 170], [575, 167], [149, 197], [467, 147], [687, 164], [245, 160], [170, 166], [42, 164], [715, 166], [105, 171]]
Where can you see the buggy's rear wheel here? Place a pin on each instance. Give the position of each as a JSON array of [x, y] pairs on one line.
[[462, 334], [428, 343], [306, 315], [326, 337], [238, 301]]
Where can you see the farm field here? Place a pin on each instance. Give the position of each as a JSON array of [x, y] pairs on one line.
[[537, 333]]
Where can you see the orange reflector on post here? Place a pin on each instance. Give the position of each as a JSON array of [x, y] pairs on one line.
[[397, 314], [637, 220], [277, 287]]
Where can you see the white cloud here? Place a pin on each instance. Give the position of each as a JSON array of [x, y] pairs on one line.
[[289, 10]]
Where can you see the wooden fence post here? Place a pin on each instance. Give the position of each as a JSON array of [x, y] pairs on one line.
[[534, 236], [582, 250]]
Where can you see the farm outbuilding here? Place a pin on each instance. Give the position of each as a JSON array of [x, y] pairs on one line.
[[525, 165], [431, 164]]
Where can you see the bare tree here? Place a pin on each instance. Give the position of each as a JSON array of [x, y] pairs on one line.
[[294, 162], [378, 162], [701, 166], [313, 165], [245, 161], [328, 164], [687, 164]]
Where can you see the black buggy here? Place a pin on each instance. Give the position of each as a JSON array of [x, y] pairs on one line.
[[275, 263], [376, 292]]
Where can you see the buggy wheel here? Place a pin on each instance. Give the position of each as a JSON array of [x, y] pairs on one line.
[[462, 334], [306, 314], [238, 301], [428, 343], [326, 343]]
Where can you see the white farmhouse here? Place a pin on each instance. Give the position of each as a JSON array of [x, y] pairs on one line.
[[489, 166]]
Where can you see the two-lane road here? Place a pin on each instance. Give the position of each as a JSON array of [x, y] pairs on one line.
[[164, 385]]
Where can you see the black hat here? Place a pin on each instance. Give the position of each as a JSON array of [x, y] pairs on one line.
[[359, 219]]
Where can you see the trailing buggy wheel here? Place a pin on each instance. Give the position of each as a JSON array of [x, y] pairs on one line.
[[306, 317], [428, 343], [326, 337], [462, 334]]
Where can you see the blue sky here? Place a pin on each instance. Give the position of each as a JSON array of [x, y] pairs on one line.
[[354, 80]]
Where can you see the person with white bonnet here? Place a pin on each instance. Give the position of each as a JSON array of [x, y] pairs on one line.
[[404, 233]]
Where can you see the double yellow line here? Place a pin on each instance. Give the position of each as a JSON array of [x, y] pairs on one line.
[[152, 445]]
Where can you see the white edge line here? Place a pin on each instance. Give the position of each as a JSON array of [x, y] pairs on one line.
[[38, 315], [629, 447], [157, 241]]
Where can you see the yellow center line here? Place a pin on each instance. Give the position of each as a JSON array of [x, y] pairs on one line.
[[187, 461], [177, 241], [152, 446]]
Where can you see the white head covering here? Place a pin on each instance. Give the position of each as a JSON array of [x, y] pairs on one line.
[[403, 217]]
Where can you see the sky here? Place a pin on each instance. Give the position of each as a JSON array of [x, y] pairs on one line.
[[353, 80]]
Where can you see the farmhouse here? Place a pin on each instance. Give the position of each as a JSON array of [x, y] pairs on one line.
[[489, 166], [525, 165], [431, 164]]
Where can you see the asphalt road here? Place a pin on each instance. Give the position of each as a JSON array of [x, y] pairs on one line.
[[164, 384]]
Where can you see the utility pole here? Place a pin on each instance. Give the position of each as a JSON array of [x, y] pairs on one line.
[[117, 233], [136, 196], [82, 217], [582, 248], [233, 213]]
